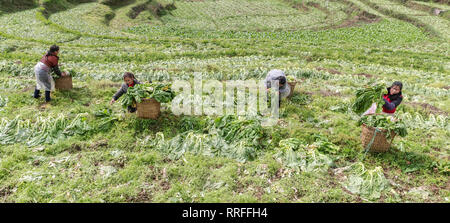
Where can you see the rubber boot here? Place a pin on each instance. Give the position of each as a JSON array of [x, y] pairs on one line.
[[47, 96], [37, 93], [131, 109]]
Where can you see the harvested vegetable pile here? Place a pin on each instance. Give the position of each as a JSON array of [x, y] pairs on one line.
[[43, 131], [296, 154], [228, 136], [369, 184], [368, 95], [385, 122], [158, 91], [106, 119]]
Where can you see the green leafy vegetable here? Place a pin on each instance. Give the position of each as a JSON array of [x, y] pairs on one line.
[[43, 131], [369, 184], [385, 122], [366, 96], [158, 91], [228, 136], [106, 119], [297, 154], [323, 145]]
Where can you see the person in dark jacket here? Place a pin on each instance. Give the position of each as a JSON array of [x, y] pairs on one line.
[[44, 81], [393, 98], [130, 81]]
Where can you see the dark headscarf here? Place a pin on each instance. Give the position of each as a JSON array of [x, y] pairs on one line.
[[399, 94], [53, 49]]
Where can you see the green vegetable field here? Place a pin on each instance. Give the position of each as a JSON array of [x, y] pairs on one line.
[[342, 53]]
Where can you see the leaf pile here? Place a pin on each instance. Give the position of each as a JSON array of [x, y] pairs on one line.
[[366, 96], [323, 145], [228, 136], [296, 154], [160, 92], [301, 99], [43, 131], [385, 122], [106, 119], [369, 184]]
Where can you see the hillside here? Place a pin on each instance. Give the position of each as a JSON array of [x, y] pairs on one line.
[[85, 150]]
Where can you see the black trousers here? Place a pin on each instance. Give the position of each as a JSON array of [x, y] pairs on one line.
[[279, 99], [37, 94]]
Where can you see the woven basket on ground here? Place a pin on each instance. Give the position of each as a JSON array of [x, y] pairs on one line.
[[63, 83], [380, 142], [292, 86], [148, 109]]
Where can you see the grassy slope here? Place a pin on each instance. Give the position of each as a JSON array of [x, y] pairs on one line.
[[77, 169]]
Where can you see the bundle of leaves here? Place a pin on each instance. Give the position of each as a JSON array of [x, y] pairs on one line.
[[369, 184], [70, 72], [106, 119], [43, 131], [366, 96], [233, 128], [301, 99], [295, 153], [160, 92], [227, 136], [323, 145], [385, 122]]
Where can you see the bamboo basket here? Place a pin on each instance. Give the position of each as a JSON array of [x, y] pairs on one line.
[[380, 143], [148, 109], [292, 86], [64, 83]]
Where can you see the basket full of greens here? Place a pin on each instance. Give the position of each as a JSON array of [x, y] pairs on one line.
[[64, 82], [378, 131], [148, 98], [292, 81]]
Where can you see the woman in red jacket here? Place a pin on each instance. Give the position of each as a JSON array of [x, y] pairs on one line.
[[393, 98], [44, 80]]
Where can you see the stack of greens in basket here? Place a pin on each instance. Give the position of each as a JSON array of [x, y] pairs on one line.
[[385, 122], [368, 95], [158, 91], [69, 72], [291, 78]]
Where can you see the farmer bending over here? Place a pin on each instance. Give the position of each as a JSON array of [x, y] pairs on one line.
[[130, 81], [42, 70], [278, 75]]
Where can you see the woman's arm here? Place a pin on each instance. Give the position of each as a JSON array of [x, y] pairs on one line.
[[120, 92], [56, 70], [393, 104]]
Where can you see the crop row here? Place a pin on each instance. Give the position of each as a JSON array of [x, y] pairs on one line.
[[419, 18], [244, 15], [89, 21], [25, 25]]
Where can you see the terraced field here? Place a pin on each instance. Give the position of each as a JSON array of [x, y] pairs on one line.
[[79, 148]]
